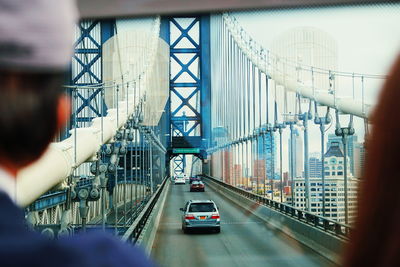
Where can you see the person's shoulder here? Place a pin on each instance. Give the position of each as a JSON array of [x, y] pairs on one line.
[[107, 250]]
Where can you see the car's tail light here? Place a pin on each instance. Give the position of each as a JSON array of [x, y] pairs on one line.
[[202, 185], [215, 216], [189, 217]]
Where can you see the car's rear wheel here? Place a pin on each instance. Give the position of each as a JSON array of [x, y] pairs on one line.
[[218, 230]]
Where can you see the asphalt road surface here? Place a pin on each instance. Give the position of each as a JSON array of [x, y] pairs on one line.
[[244, 240]]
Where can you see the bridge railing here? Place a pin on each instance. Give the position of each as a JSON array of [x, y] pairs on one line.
[[134, 231], [333, 227]]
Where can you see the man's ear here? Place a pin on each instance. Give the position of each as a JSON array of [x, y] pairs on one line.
[[63, 111]]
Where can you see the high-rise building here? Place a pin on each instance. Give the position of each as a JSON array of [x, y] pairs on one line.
[[226, 166], [259, 171], [286, 178], [351, 142], [334, 189], [237, 174], [315, 167], [315, 155], [359, 159], [267, 149], [297, 154]]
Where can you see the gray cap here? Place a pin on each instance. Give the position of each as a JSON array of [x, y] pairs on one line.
[[37, 34]]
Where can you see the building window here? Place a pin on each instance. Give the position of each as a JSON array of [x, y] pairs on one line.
[[333, 173], [327, 173]]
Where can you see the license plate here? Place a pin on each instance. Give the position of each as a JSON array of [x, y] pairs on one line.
[[203, 217]]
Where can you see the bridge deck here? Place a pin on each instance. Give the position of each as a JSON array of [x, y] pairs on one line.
[[244, 239]]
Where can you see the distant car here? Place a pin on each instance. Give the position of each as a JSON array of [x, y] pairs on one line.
[[192, 179], [179, 180], [197, 186], [200, 214]]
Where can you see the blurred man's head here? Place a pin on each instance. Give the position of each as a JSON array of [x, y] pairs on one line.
[[36, 41]]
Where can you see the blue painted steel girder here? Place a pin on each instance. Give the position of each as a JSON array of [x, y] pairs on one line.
[[191, 47], [87, 68], [180, 51], [179, 164]]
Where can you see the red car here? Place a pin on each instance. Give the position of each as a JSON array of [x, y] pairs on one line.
[[197, 186], [193, 179]]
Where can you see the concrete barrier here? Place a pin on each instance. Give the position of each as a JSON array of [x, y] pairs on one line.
[[148, 234], [326, 244]]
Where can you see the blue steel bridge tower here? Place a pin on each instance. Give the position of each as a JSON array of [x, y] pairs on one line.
[[87, 69], [189, 102]]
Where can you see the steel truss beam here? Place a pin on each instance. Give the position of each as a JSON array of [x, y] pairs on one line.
[[86, 69], [189, 112]]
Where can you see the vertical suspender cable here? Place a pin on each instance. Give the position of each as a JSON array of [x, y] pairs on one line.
[[116, 191], [254, 138], [242, 116], [223, 100], [229, 107], [103, 188], [267, 127], [306, 168], [346, 203], [248, 166]]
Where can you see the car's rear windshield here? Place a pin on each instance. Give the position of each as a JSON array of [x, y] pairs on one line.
[[202, 207]]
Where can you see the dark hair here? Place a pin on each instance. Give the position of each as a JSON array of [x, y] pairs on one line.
[[28, 114], [376, 240]]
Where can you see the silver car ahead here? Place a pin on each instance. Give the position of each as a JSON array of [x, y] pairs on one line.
[[200, 214]]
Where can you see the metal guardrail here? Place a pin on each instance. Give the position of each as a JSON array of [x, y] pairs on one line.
[[55, 198], [134, 231], [49, 200], [333, 227]]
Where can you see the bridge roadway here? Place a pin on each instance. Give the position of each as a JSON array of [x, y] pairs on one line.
[[244, 239]]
